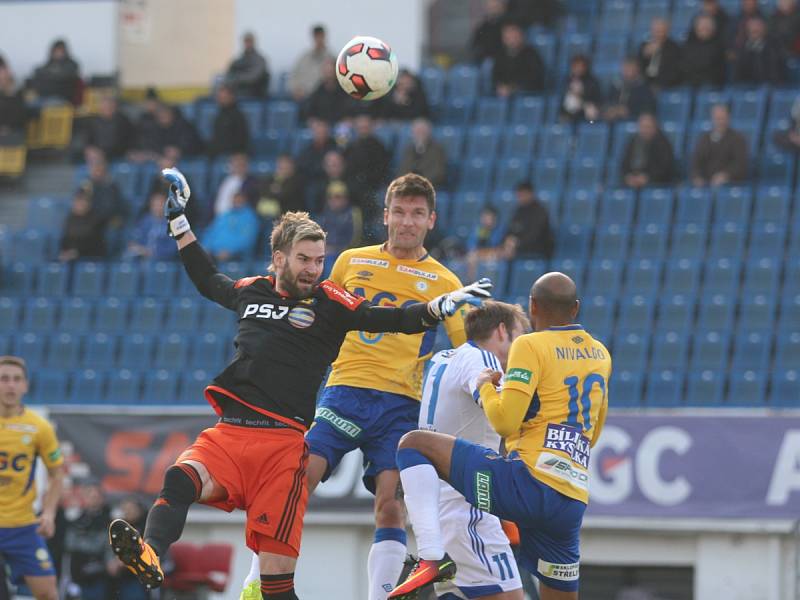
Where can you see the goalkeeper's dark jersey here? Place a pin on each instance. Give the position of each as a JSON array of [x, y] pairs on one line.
[[284, 345]]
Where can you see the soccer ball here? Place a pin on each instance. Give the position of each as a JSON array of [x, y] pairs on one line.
[[366, 68]]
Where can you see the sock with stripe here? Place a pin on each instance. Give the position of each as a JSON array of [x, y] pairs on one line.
[[278, 587], [421, 488], [166, 519], [385, 561]]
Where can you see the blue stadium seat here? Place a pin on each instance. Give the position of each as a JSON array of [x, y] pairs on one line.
[[100, 350], [523, 274], [580, 207], [253, 111], [509, 172], [518, 142], [482, 141], [527, 110], [751, 349], [776, 168], [727, 239], [123, 279], [456, 111], [208, 351], [136, 351], [160, 387], [610, 48], [31, 346], [787, 350], [5, 343], [48, 386], [47, 213], [282, 115], [681, 276], [205, 112], [196, 170], [270, 143], [747, 388], [597, 315], [182, 315], [9, 314], [785, 388], [129, 178], [76, 315], [676, 134], [89, 279], [623, 132], [452, 139], [675, 106], [491, 111], [147, 315], [87, 387], [111, 315], [573, 241], [51, 279], [630, 351], [732, 204], [505, 201], [586, 172], [767, 240], [705, 99], [299, 140], [716, 312], [171, 352], [772, 204], [670, 350], [548, 173], [433, 80], [159, 279], [635, 314], [665, 388], [497, 271], [780, 106], [468, 207], [617, 16], [655, 206], [40, 315], [215, 319], [17, 279], [462, 81], [550, 198], [611, 242], [627, 388], [545, 44], [555, 141], [124, 387], [592, 140], [694, 206], [193, 385], [617, 206], [749, 105], [721, 276], [761, 276], [63, 351], [31, 246], [710, 349], [688, 241], [650, 241], [675, 312], [604, 276], [570, 267], [790, 311], [705, 387], [642, 277]]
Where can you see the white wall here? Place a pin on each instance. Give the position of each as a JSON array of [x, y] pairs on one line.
[[28, 27]]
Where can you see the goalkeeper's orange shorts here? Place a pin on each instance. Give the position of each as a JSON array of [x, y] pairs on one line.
[[263, 472]]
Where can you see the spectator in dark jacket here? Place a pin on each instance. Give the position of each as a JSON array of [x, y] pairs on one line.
[[248, 75], [83, 233], [282, 191], [648, 158], [340, 220], [582, 96], [720, 156], [309, 160], [335, 168], [789, 139], [149, 238], [13, 114], [230, 131], [327, 102], [406, 101], [106, 199], [59, 77], [110, 131], [631, 96], [737, 29], [148, 138], [760, 60], [367, 158], [784, 26], [423, 155], [518, 67], [487, 39], [660, 57], [529, 232], [704, 55], [531, 12], [175, 130], [713, 9]]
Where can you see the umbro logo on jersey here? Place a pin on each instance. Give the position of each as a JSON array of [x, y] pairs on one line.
[[364, 274], [577, 339]]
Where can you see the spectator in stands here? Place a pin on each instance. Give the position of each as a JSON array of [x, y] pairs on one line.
[[704, 55], [238, 180], [59, 77], [175, 130], [327, 102], [340, 220], [486, 240], [737, 30], [110, 130], [366, 156], [309, 161], [232, 235], [248, 75], [582, 95], [86, 543], [528, 232], [648, 158], [82, 235], [423, 155], [760, 60], [13, 114], [487, 38], [282, 191], [334, 168], [307, 71], [720, 155], [149, 239], [107, 201], [518, 67], [147, 142], [230, 133], [660, 57], [406, 101], [784, 26], [631, 96], [124, 583], [534, 12], [713, 9], [789, 139]]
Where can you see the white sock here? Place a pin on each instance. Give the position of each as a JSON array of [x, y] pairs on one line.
[[384, 565], [255, 572], [421, 488]]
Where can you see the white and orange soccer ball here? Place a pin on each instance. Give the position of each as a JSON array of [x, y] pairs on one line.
[[366, 68]]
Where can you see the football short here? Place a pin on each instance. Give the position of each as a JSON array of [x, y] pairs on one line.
[[476, 542], [264, 474], [349, 417], [549, 522], [26, 552]]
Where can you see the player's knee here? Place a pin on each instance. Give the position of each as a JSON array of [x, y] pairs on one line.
[[389, 512], [412, 439], [182, 485]]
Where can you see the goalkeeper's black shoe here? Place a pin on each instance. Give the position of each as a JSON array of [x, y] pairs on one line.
[[135, 553], [424, 573]]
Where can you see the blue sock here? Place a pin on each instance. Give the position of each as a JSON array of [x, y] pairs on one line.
[[409, 457]]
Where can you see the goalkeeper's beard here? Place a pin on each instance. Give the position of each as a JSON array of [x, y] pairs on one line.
[[289, 282]]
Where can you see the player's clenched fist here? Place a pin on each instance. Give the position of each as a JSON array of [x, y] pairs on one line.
[[446, 305], [179, 192]]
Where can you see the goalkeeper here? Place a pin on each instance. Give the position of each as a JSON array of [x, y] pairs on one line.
[[290, 329]]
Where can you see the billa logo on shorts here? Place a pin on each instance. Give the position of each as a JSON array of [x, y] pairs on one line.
[[521, 375], [301, 317], [483, 491]]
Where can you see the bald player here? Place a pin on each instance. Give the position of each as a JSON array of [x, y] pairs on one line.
[[550, 411]]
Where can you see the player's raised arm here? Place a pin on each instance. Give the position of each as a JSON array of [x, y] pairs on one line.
[[199, 266]]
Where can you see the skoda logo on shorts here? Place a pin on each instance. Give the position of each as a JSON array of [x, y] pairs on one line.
[[301, 317]]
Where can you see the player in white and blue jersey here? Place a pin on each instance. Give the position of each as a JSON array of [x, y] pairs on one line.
[[473, 539]]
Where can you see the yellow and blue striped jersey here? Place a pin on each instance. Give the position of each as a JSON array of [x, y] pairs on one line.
[[391, 362], [23, 438], [553, 404]]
